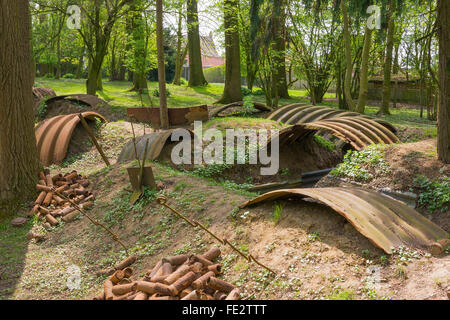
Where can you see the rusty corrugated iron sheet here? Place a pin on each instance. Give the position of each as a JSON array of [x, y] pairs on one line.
[[53, 136], [156, 143], [360, 132], [39, 94], [386, 222], [85, 99], [177, 116], [301, 113]]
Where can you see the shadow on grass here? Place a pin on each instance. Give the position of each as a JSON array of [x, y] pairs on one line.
[[13, 250]]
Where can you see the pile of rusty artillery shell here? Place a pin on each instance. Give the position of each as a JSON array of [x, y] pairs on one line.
[[183, 277], [50, 206]]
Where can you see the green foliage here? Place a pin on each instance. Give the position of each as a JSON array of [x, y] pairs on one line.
[[325, 142], [49, 76], [258, 92], [277, 213], [183, 81], [342, 295], [69, 76], [246, 91], [42, 110], [434, 194], [211, 171], [356, 164], [156, 92], [215, 74]]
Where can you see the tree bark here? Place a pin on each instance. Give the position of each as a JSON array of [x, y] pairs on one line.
[[181, 54], [280, 47], [19, 160], [196, 76], [232, 91], [443, 117], [164, 115], [384, 109], [348, 58], [364, 75]]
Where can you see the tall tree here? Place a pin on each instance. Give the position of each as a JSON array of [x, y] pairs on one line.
[[384, 109], [348, 57], [196, 76], [443, 117], [279, 27], [164, 116], [232, 91], [181, 53], [19, 161], [364, 73]]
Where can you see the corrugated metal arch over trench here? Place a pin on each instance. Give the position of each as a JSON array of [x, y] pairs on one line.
[[386, 222], [53, 136], [156, 143]]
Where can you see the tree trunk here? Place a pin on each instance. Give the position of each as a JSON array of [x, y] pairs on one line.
[[280, 47], [164, 115], [196, 76], [80, 65], [139, 48], [181, 54], [364, 75], [384, 109], [232, 91], [443, 116], [19, 160], [348, 58]]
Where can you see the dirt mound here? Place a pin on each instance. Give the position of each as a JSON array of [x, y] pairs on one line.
[[64, 106]]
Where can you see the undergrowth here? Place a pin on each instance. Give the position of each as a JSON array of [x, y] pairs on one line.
[[433, 194]]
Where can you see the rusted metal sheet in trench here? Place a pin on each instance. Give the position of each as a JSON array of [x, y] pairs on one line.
[[177, 116], [86, 99], [53, 136], [301, 113], [386, 222], [156, 143]]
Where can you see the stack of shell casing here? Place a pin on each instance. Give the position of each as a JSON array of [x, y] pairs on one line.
[[50, 206], [183, 277]]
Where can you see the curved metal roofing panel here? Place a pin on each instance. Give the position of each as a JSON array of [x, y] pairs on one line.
[[86, 99], [386, 222], [53, 136]]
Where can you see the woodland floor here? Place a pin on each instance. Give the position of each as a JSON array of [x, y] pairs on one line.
[[315, 252]]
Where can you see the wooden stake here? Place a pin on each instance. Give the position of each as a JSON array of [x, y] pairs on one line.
[[94, 140]]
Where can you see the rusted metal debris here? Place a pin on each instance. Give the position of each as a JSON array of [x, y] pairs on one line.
[[53, 136], [387, 223], [183, 277], [55, 192], [40, 94], [156, 143], [257, 105], [93, 139], [302, 113], [85, 99], [177, 116]]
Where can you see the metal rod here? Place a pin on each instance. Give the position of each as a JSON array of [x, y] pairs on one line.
[[94, 140]]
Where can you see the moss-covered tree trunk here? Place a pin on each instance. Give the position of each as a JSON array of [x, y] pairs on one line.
[[232, 91], [443, 117], [280, 49], [181, 53], [348, 58], [364, 74], [164, 116], [196, 76], [386, 98], [19, 160]]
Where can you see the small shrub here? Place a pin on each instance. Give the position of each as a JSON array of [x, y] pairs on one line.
[[258, 92], [42, 110], [210, 171], [69, 76], [156, 93], [277, 213], [325, 143], [183, 81], [433, 194], [49, 76], [246, 91]]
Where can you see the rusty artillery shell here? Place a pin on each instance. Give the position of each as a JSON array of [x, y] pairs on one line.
[[71, 176], [78, 199], [155, 269], [58, 200], [56, 213], [204, 296], [38, 237], [181, 271], [50, 219], [44, 211], [141, 296], [41, 176], [108, 285], [166, 268], [81, 191], [62, 188], [33, 211], [216, 268], [42, 183], [41, 197], [84, 183], [89, 198], [127, 272], [125, 281], [57, 177], [48, 199], [67, 210], [40, 187], [100, 296], [193, 295], [125, 296], [70, 216], [87, 205], [212, 254], [157, 278], [126, 263], [202, 260], [186, 291], [61, 183], [178, 260], [183, 282], [123, 288], [74, 186], [201, 282], [117, 276], [439, 247], [220, 285], [48, 180], [152, 288], [219, 295], [235, 294]]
